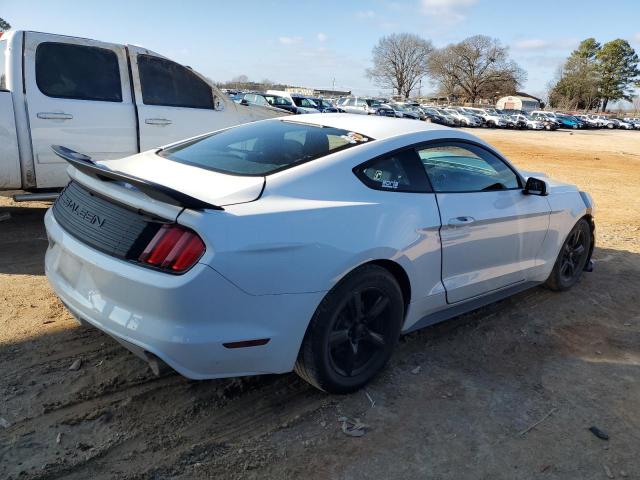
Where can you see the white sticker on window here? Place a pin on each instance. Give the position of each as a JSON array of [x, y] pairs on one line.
[[390, 184]]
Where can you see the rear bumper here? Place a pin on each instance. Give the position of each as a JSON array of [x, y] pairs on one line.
[[182, 319]]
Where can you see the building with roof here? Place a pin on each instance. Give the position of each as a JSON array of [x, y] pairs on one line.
[[520, 101]]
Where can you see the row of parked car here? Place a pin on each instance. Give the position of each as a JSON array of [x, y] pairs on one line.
[[453, 116]]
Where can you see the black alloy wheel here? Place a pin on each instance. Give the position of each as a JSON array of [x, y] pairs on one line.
[[572, 258], [360, 331], [353, 331]]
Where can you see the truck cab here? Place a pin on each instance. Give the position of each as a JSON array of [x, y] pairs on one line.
[[105, 100]]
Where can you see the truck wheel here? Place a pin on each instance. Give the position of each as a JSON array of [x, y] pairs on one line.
[[353, 331]]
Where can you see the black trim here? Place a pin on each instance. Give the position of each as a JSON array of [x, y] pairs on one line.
[[456, 309], [133, 96], [24, 82], [153, 190]]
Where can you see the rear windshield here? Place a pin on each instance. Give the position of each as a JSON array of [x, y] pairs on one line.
[[262, 148]]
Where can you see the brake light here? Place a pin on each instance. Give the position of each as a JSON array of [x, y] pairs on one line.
[[173, 248]]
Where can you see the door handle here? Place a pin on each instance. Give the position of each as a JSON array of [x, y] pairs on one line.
[[157, 121], [54, 116], [461, 221]]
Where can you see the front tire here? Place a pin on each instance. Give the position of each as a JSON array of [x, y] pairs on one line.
[[353, 331], [572, 258]]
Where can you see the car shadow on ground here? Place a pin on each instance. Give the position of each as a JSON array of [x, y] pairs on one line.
[[23, 240], [491, 372]]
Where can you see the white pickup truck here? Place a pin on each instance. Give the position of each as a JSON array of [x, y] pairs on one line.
[[102, 99]]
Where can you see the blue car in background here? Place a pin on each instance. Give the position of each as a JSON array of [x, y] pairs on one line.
[[324, 105], [567, 121]]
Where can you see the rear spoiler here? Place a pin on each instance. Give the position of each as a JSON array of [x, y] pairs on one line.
[[154, 190]]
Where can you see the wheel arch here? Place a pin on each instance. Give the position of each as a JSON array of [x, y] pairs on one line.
[[592, 226], [400, 275]]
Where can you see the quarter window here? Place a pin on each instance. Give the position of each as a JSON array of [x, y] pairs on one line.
[[64, 70], [167, 83], [466, 168], [398, 172]]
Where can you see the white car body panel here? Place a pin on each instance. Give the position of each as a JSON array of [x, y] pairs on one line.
[[96, 128], [212, 187], [498, 248], [270, 261]]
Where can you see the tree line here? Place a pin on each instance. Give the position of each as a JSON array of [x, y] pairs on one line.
[[595, 74], [476, 68]]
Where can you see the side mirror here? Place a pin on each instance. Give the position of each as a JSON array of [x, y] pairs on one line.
[[244, 102], [535, 186]]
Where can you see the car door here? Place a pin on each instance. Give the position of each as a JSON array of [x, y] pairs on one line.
[[78, 95], [491, 232], [173, 102], [349, 105]]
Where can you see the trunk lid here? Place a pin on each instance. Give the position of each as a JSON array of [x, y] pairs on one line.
[[211, 187]]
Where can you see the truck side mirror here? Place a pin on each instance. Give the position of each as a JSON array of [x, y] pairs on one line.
[[535, 186]]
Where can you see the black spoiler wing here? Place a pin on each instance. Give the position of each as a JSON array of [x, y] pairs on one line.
[[154, 190]]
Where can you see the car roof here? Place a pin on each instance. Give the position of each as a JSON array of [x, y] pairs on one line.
[[373, 126]]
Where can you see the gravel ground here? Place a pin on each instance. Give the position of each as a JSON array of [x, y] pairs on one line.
[[506, 392]]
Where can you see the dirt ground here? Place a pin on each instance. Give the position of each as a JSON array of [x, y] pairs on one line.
[[507, 392]]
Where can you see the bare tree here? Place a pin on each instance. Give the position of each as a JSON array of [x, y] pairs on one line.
[[240, 79], [4, 25], [480, 66], [400, 62]]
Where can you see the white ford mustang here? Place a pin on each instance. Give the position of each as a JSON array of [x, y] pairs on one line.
[[306, 245]]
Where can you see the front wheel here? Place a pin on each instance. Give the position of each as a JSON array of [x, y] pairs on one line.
[[353, 331], [572, 258]]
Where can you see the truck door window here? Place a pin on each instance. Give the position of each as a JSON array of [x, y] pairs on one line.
[[3, 67], [167, 83], [80, 72]]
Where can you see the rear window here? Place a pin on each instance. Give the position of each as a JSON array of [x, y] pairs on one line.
[[262, 148], [79, 72]]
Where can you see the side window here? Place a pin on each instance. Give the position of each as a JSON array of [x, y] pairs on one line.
[[3, 67], [170, 84], [458, 167], [260, 100], [79, 72], [351, 102], [399, 172]]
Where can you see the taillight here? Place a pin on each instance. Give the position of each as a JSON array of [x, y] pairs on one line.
[[173, 248]]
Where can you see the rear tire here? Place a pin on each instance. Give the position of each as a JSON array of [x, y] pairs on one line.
[[353, 331], [572, 258]]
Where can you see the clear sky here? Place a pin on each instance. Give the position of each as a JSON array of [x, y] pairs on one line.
[[311, 43]]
